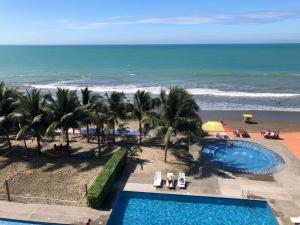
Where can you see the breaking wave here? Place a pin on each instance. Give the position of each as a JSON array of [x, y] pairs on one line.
[[130, 89]]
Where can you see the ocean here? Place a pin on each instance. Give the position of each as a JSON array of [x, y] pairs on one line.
[[221, 77]]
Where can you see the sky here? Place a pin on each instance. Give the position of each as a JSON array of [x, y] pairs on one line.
[[149, 21]]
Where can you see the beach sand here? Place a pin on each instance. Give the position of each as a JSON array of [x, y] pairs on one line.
[[64, 178], [262, 120], [35, 178]]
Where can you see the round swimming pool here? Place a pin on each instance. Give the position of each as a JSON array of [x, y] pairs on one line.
[[241, 157]]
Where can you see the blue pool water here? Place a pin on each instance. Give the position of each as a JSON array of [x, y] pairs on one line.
[[134, 208], [242, 157]]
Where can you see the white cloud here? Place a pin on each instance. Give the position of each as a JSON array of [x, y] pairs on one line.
[[221, 18]]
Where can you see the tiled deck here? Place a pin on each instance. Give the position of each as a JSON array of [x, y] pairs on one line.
[[292, 141]]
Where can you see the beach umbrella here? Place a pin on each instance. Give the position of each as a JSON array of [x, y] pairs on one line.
[[247, 117], [213, 126]]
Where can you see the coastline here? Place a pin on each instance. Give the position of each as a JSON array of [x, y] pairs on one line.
[[259, 115], [273, 120]]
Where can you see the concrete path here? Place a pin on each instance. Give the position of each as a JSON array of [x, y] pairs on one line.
[[52, 213]]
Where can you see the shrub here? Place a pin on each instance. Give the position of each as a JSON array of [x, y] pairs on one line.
[[105, 179]]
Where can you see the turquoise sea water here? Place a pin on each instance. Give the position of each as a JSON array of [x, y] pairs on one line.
[[254, 76], [133, 208]]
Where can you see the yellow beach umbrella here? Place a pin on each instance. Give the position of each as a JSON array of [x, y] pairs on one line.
[[247, 115], [213, 126]]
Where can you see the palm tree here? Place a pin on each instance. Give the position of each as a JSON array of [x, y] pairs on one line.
[[86, 99], [9, 104], [178, 114], [34, 115], [99, 117], [66, 112], [116, 109], [142, 104]]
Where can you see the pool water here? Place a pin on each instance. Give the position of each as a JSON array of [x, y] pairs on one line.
[[241, 157], [134, 208]]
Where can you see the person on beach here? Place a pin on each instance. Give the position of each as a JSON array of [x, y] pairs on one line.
[[88, 222]]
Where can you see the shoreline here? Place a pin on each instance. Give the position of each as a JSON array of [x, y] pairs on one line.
[[273, 120], [258, 115], [209, 99]]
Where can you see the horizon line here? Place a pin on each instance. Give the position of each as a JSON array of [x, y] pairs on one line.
[[133, 44]]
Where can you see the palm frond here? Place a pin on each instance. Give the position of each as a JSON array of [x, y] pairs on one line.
[[168, 134], [66, 117], [51, 128], [2, 119], [150, 118], [37, 119], [159, 130], [22, 132], [15, 117]]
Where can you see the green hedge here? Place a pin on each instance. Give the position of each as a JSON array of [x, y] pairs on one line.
[[105, 179]]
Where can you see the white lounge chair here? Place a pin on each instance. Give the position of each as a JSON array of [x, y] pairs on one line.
[[157, 179], [295, 220], [181, 182], [222, 135], [170, 180]]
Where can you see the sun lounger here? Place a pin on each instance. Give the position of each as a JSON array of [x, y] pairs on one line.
[[170, 180], [181, 182], [243, 133], [295, 220], [157, 179], [236, 133], [222, 135], [266, 134], [270, 134]]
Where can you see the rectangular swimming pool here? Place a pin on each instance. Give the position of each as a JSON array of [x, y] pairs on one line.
[[151, 208]]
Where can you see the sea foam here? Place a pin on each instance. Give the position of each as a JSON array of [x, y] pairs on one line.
[[131, 89]]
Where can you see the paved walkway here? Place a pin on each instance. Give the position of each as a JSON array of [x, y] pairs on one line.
[[292, 141], [52, 213]]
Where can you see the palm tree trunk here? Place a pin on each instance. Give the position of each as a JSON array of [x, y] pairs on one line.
[[114, 133], [98, 139], [87, 133], [38, 143], [166, 150], [68, 141], [25, 144], [102, 136], [8, 140], [140, 129]]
